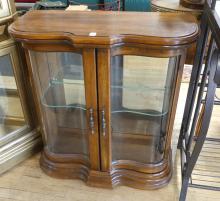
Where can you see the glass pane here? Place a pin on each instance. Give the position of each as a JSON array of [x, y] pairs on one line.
[[140, 97], [11, 114], [60, 82]]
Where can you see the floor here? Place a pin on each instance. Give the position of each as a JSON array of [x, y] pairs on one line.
[[26, 182]]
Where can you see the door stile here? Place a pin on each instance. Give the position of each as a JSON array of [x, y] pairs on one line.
[[104, 88], [175, 97], [89, 64]]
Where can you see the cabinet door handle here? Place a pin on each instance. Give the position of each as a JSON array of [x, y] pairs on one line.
[[91, 121], [103, 123]]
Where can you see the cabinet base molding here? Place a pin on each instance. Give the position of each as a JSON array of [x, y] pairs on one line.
[[58, 167]]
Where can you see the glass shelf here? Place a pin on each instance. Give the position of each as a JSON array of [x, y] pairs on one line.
[[53, 97], [55, 80], [138, 100], [68, 77], [66, 81], [152, 113], [137, 87], [67, 107], [132, 123]]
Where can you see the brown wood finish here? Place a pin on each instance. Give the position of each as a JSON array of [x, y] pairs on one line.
[[116, 33], [175, 6], [104, 107], [149, 50], [91, 102], [50, 46], [72, 167], [32, 88], [193, 4], [110, 27], [175, 99], [61, 166]]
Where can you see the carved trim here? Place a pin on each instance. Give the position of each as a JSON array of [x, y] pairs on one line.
[[65, 170], [76, 170]]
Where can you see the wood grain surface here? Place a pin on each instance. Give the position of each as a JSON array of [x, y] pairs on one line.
[[99, 36], [108, 27]]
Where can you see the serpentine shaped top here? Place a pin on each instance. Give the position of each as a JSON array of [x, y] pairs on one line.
[[107, 28]]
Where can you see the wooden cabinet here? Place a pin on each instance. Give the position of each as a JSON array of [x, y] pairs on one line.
[[106, 86]]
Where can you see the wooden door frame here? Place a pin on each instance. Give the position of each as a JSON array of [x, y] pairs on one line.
[[104, 98], [89, 69]]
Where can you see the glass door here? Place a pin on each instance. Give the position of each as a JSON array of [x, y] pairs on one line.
[[136, 96], [67, 99], [140, 100]]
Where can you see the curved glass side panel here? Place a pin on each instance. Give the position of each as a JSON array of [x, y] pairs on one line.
[[60, 85], [140, 102]]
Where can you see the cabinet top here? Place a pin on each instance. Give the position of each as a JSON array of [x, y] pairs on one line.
[[107, 28]]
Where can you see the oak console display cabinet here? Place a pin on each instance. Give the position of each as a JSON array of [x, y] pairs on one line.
[[106, 86]]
